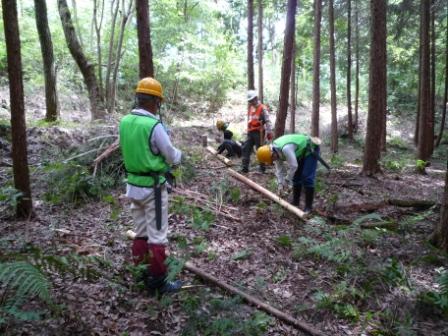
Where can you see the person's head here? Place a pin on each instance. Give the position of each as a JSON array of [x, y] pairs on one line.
[[149, 94], [228, 135], [267, 154], [252, 97], [220, 125]]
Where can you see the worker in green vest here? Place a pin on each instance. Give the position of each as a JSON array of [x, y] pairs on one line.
[[301, 152], [148, 154]]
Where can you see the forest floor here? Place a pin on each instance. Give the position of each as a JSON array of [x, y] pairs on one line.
[[360, 265]]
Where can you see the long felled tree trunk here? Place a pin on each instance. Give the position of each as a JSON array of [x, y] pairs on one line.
[[377, 88], [46, 46], [334, 116], [250, 45], [87, 69], [286, 68], [144, 39], [426, 127], [20, 169], [316, 69]]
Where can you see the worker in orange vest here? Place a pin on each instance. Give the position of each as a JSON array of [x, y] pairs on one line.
[[259, 129]]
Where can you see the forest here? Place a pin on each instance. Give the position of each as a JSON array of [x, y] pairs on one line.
[[223, 167]]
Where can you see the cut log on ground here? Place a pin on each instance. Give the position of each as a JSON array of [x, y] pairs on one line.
[[249, 298], [109, 150], [260, 189], [219, 156]]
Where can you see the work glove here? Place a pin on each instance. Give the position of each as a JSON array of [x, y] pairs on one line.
[[170, 181], [269, 136]]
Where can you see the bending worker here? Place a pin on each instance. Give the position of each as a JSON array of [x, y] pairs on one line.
[[148, 153], [301, 152], [258, 129], [228, 145]]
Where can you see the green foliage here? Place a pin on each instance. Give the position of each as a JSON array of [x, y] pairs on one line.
[[336, 249], [437, 299], [220, 316], [22, 282], [226, 191], [284, 241], [8, 199], [72, 183], [394, 273], [337, 161], [175, 266], [420, 165], [241, 255], [398, 143], [202, 219], [394, 165]]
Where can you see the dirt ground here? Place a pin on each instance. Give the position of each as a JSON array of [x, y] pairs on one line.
[[233, 233]]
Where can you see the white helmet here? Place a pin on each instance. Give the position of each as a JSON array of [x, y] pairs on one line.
[[251, 94]]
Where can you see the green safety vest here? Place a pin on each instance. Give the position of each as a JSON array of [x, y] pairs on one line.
[[135, 143], [302, 141]]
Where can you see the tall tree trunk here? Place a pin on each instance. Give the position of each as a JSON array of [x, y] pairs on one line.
[[87, 69], [334, 116], [445, 96], [126, 13], [433, 70], [99, 51], [114, 6], [46, 47], [75, 18], [419, 93], [260, 49], [377, 87], [293, 91], [279, 129], [440, 235], [144, 39], [250, 45], [426, 128], [349, 69], [18, 126], [356, 118], [316, 69]]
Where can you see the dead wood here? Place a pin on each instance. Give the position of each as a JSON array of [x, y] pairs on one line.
[[259, 188], [109, 150], [381, 225], [219, 156], [422, 204], [254, 301], [249, 298]]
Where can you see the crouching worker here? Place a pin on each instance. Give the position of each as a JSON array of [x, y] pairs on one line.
[[301, 153], [229, 146], [148, 153]]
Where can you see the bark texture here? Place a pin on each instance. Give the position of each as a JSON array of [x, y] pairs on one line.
[[144, 39], [316, 69], [349, 70], [377, 88], [440, 235], [20, 169], [334, 116], [293, 91], [445, 96], [250, 45], [46, 46], [260, 50]]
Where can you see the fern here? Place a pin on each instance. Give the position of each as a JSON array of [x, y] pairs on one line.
[[23, 281]]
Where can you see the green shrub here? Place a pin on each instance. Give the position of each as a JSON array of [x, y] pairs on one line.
[[397, 143], [72, 183], [8, 200]]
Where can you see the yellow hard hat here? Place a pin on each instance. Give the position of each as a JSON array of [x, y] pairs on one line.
[[220, 125], [150, 86], [264, 154]]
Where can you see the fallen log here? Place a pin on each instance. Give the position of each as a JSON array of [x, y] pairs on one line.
[[219, 156], [249, 298], [260, 189], [423, 204], [109, 150]]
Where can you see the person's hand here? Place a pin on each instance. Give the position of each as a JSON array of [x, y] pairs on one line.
[[269, 136], [283, 189]]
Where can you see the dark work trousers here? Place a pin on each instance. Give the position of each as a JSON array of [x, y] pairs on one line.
[[253, 139], [306, 171]]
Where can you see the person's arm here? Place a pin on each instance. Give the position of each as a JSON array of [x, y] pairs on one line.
[[266, 121], [161, 143], [279, 172], [289, 151]]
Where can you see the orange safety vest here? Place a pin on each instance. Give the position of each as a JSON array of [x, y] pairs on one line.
[[254, 116]]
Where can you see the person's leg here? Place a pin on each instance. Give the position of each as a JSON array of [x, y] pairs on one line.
[[258, 143], [247, 150], [140, 249], [308, 177], [297, 184], [158, 239]]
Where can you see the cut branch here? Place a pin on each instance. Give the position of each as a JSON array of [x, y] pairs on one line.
[[259, 188]]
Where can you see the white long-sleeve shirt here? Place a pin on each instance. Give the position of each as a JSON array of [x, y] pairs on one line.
[[160, 143], [288, 154]]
